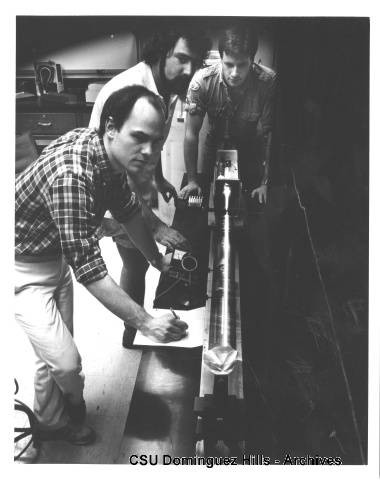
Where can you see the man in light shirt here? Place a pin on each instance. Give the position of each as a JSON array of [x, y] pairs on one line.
[[170, 59]]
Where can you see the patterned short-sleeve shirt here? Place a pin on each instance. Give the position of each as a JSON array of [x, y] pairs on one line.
[[208, 93], [240, 119]]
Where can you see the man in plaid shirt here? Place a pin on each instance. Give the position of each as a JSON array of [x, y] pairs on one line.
[[60, 201]]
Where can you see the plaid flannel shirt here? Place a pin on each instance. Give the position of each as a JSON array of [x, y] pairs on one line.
[[61, 199]]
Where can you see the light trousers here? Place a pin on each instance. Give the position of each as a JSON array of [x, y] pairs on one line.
[[44, 309]]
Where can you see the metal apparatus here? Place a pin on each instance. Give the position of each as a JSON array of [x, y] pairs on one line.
[[193, 201], [169, 377], [183, 260], [220, 406], [221, 355]]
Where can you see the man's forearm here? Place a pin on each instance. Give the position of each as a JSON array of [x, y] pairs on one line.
[[141, 235], [118, 301], [152, 220], [191, 155], [266, 160]]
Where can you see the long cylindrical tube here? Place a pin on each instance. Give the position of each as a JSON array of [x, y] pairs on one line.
[[221, 354], [226, 271]]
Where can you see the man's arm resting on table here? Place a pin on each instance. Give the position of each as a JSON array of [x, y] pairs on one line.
[[190, 149], [165, 328], [267, 154], [267, 123], [262, 190]]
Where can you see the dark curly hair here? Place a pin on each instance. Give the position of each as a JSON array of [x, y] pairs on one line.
[[163, 41], [237, 39], [120, 103]]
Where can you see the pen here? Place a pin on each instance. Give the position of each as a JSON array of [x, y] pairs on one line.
[[173, 312]]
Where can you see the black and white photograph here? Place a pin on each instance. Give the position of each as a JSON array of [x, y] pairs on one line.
[[191, 241]]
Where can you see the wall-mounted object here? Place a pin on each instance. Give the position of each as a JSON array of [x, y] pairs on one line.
[[44, 77], [59, 78]]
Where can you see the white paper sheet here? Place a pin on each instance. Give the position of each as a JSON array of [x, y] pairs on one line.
[[194, 318]]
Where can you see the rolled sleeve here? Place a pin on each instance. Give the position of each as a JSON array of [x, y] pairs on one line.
[[71, 205], [91, 271], [195, 103]]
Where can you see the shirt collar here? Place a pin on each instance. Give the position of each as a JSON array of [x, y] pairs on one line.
[[149, 79], [220, 72]]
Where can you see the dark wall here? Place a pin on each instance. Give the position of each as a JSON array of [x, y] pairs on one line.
[[49, 33], [325, 61], [323, 114]]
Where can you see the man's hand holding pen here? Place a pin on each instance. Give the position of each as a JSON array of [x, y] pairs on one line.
[[165, 328]]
